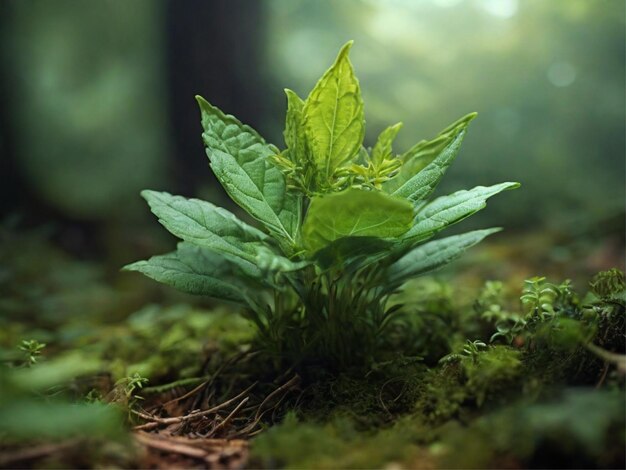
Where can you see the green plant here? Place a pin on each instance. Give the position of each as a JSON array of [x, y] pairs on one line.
[[609, 284], [544, 303], [32, 351], [343, 227], [471, 349], [125, 391]]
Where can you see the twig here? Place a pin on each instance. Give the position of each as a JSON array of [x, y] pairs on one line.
[[192, 415], [380, 394], [603, 377], [230, 416], [168, 446], [295, 379], [186, 395], [276, 407]]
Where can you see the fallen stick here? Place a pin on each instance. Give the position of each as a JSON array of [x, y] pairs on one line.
[[192, 415]]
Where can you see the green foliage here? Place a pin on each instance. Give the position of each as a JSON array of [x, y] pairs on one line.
[[32, 350], [342, 230], [337, 444], [561, 336], [334, 122], [354, 213], [125, 390], [609, 284], [539, 297], [578, 428], [35, 402], [543, 303], [478, 373]]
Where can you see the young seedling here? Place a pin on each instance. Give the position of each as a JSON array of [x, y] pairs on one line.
[[341, 227], [32, 350]]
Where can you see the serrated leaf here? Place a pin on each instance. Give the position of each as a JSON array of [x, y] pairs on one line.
[[295, 138], [354, 213], [239, 154], [423, 183], [206, 225], [240, 184], [382, 149], [447, 210], [433, 255], [193, 270], [424, 152], [334, 118]]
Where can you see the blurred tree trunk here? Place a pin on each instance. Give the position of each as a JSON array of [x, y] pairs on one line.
[[215, 50], [14, 191]]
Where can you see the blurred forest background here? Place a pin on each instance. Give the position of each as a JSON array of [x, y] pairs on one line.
[[98, 103]]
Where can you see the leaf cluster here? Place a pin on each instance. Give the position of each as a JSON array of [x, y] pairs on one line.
[[342, 227]]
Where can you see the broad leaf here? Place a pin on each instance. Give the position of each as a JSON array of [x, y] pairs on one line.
[[206, 225], [423, 183], [352, 253], [447, 210], [354, 213], [193, 270], [433, 255], [240, 160], [333, 116], [424, 152]]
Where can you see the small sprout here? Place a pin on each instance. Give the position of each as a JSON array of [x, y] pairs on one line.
[[471, 349], [124, 392], [32, 350], [538, 297], [93, 396], [133, 383], [509, 327]]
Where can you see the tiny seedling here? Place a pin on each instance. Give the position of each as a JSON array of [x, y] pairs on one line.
[[341, 227], [32, 350], [125, 391]]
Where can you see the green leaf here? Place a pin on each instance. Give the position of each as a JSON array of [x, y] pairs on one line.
[[423, 183], [424, 152], [333, 116], [240, 160], [21, 419], [353, 252], [433, 255], [354, 213], [205, 225], [295, 138], [447, 210], [272, 263], [57, 371], [194, 270], [263, 203], [382, 149]]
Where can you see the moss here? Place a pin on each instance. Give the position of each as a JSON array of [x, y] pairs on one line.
[[493, 374], [580, 428], [337, 444]]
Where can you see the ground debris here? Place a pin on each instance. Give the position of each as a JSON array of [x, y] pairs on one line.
[[216, 437], [162, 450]]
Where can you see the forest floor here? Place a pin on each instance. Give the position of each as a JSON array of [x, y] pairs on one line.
[[110, 370]]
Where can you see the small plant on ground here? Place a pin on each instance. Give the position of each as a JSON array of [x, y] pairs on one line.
[[32, 350], [342, 227]]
